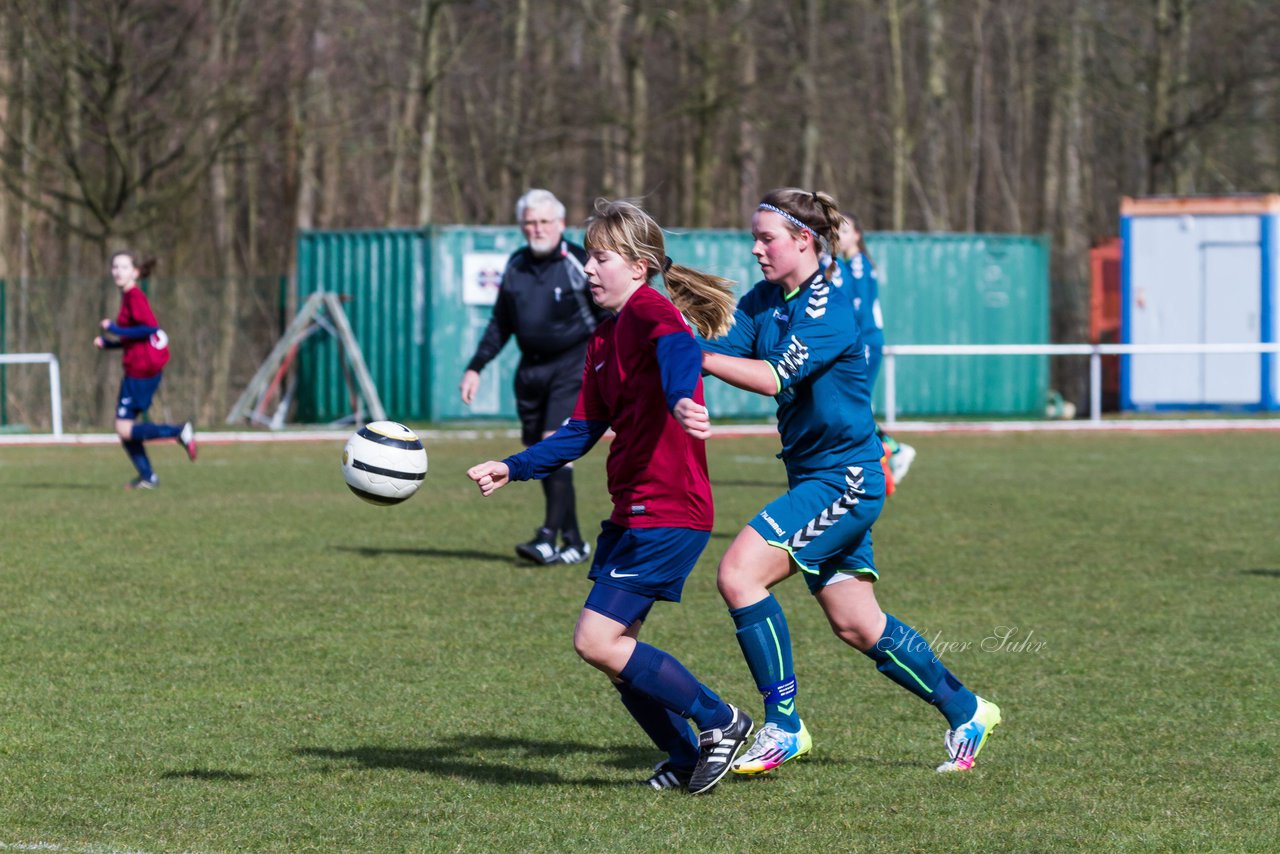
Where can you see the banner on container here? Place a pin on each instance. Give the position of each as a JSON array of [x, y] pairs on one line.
[[481, 275]]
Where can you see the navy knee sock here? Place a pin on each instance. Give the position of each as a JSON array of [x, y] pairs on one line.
[[659, 676], [138, 456], [906, 658], [145, 431], [667, 730]]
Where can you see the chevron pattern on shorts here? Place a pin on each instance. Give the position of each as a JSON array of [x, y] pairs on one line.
[[830, 515]]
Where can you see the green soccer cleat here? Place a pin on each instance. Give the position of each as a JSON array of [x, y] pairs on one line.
[[965, 742]]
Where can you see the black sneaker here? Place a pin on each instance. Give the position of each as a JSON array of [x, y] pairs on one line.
[[667, 776], [574, 553], [541, 549], [143, 483], [717, 747]]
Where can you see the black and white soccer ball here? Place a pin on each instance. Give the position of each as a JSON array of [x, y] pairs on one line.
[[384, 462]]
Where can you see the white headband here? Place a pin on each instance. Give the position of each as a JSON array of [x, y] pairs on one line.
[[768, 207]]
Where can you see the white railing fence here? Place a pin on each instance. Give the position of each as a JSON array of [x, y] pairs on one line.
[[1095, 352], [892, 352], [55, 382]]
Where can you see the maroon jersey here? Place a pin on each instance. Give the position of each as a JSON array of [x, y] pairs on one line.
[[657, 472], [143, 357]]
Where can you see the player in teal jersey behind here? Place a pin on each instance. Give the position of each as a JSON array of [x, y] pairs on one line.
[[856, 271], [796, 339]]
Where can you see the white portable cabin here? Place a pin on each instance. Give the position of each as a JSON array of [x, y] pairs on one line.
[[1199, 270]]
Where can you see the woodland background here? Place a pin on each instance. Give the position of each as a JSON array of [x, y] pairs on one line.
[[208, 132]]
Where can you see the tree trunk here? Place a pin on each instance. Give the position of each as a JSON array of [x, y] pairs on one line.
[[749, 188], [1001, 143], [1071, 282], [612, 124], [900, 141], [222, 53], [637, 124], [73, 96], [26, 138], [977, 119], [1183, 170], [513, 114], [1162, 84], [410, 99], [809, 67], [428, 139], [6, 83], [935, 201]]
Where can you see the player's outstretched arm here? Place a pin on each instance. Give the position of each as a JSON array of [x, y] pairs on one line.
[[754, 375], [490, 476], [693, 417]]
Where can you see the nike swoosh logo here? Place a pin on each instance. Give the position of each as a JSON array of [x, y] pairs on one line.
[[599, 366], [613, 573]]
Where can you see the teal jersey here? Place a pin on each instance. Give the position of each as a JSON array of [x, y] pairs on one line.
[[810, 338], [860, 277]]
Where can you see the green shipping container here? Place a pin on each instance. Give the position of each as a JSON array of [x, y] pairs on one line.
[[965, 289], [419, 300]]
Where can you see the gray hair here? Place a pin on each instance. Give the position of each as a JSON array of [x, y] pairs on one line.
[[537, 199]]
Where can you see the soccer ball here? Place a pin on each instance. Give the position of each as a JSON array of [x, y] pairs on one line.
[[384, 462]]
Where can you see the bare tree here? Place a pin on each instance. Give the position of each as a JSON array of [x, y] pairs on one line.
[[900, 144], [223, 53], [1070, 274], [217, 129], [932, 193], [132, 138]]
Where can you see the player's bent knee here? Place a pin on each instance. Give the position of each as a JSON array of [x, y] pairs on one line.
[[738, 584], [855, 636], [594, 653], [589, 647]]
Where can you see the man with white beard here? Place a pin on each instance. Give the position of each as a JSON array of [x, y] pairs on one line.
[[543, 300]]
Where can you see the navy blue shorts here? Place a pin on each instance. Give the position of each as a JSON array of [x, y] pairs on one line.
[[135, 396], [653, 562], [824, 523]]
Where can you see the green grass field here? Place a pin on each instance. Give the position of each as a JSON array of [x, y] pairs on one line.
[[250, 659]]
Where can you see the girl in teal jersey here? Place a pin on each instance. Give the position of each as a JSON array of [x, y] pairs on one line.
[[796, 339]]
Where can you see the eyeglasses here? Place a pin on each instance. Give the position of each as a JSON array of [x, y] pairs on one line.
[[538, 223]]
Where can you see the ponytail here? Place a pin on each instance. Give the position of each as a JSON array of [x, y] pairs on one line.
[[707, 301]]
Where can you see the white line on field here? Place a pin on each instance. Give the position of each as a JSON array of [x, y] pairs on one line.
[[69, 849], [724, 431]]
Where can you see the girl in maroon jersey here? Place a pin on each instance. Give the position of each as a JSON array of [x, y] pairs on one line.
[[146, 351], [642, 378]]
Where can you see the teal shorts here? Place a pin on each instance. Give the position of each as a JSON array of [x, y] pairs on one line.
[[824, 522]]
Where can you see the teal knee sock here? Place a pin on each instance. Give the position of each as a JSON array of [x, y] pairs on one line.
[[906, 658], [766, 645]]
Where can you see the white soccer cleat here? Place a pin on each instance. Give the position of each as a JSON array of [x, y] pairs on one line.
[[900, 461], [967, 740]]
